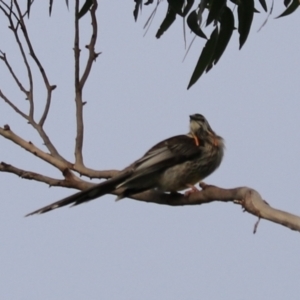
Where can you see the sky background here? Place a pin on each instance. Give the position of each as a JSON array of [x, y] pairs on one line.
[[136, 96]]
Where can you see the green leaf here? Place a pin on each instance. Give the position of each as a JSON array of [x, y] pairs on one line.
[[245, 16], [192, 21], [226, 29], [167, 22], [215, 10], [205, 57], [85, 8], [263, 4], [290, 9]]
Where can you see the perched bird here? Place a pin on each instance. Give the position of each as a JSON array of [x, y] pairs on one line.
[[172, 165]]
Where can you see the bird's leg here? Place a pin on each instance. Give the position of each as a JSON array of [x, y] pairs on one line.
[[192, 190]]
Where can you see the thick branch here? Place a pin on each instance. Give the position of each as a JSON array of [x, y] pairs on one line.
[[28, 146], [250, 200]]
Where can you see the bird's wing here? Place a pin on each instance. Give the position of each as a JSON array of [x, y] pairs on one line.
[[88, 194], [163, 155]]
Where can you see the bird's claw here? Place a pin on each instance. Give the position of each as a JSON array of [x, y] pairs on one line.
[[192, 190]]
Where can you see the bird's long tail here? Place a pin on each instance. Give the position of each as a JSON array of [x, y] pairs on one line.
[[84, 196]]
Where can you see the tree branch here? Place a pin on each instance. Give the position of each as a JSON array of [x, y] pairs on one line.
[[91, 46], [248, 198], [49, 87], [91, 173], [30, 117], [13, 74], [14, 29], [48, 142], [28, 146], [35, 176], [58, 163], [78, 93], [14, 107], [39, 126]]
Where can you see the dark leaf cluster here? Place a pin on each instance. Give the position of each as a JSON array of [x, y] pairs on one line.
[[198, 16], [224, 16]]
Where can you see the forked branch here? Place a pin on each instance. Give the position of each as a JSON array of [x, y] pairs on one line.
[[80, 81]]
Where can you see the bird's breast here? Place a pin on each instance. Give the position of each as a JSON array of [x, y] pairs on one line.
[[190, 172]]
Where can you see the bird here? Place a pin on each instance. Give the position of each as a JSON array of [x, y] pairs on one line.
[[172, 165]]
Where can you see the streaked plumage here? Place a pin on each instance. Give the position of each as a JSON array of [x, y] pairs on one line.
[[170, 166]]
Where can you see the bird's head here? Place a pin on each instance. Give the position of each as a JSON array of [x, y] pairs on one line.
[[199, 125]]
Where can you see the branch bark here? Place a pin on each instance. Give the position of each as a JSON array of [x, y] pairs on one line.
[[250, 200], [80, 82], [30, 147]]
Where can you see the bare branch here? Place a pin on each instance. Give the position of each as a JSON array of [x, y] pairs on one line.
[[47, 106], [92, 54], [49, 87], [78, 93], [14, 107], [14, 29], [13, 74], [61, 164], [39, 129], [91, 173], [28, 42], [70, 181], [28, 146], [47, 141], [248, 198], [80, 82], [30, 117], [35, 176]]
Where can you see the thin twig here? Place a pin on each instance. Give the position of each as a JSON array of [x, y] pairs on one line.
[[78, 93], [4, 167], [14, 29], [13, 74], [47, 142], [47, 106], [39, 127], [14, 107], [49, 87], [92, 54]]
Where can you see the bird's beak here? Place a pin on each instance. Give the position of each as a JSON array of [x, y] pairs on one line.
[[192, 117]]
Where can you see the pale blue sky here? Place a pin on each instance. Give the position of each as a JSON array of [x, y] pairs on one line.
[[136, 97]]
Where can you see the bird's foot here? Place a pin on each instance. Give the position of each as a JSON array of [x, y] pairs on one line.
[[192, 190]]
